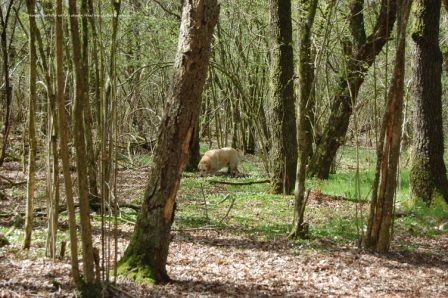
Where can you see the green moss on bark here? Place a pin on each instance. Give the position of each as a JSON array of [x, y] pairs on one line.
[[420, 179], [424, 182], [418, 29], [134, 269]]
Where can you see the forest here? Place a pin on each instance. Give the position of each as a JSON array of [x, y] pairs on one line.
[[338, 111]]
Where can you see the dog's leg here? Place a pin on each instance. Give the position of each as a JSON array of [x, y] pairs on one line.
[[233, 169]]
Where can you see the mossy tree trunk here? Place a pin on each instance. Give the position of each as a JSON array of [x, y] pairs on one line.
[[360, 54], [382, 204], [306, 77], [145, 257], [428, 172], [283, 112]]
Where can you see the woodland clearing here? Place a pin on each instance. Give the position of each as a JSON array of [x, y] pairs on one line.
[[239, 247]]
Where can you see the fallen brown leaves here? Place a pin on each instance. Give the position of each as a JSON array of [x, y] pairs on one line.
[[23, 275], [219, 263]]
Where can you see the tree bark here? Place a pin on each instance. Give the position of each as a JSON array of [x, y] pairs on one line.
[[360, 57], [31, 128], [52, 177], [428, 179], [379, 227], [195, 154], [8, 88], [94, 196], [81, 156], [445, 52], [64, 149], [145, 257], [283, 112], [306, 77]]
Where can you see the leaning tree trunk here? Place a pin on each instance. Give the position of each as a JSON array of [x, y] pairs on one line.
[[360, 58], [379, 227], [145, 257], [283, 114], [428, 172]]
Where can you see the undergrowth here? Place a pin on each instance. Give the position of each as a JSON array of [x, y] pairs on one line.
[[334, 214], [335, 219]]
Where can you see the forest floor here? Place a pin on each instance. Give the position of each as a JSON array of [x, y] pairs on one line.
[[235, 256]]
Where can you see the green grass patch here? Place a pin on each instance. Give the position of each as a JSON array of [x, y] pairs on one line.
[[245, 208], [256, 214], [424, 220]]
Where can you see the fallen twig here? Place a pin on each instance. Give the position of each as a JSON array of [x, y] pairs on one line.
[[205, 201], [228, 210], [41, 211], [223, 200], [196, 229], [136, 208], [127, 220], [10, 182], [239, 183], [118, 292]]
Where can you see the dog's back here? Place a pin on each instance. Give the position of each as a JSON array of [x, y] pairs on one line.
[[216, 159], [230, 157]]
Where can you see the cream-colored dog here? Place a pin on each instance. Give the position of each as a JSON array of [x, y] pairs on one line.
[[214, 160]]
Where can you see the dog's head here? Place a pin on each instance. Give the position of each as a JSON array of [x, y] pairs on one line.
[[203, 169]]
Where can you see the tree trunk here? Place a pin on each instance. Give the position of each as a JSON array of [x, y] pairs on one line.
[[94, 197], [360, 58], [64, 149], [52, 187], [6, 70], [427, 179], [31, 128], [52, 177], [145, 257], [388, 152], [283, 117], [445, 52], [108, 117], [195, 155], [89, 287], [304, 128]]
